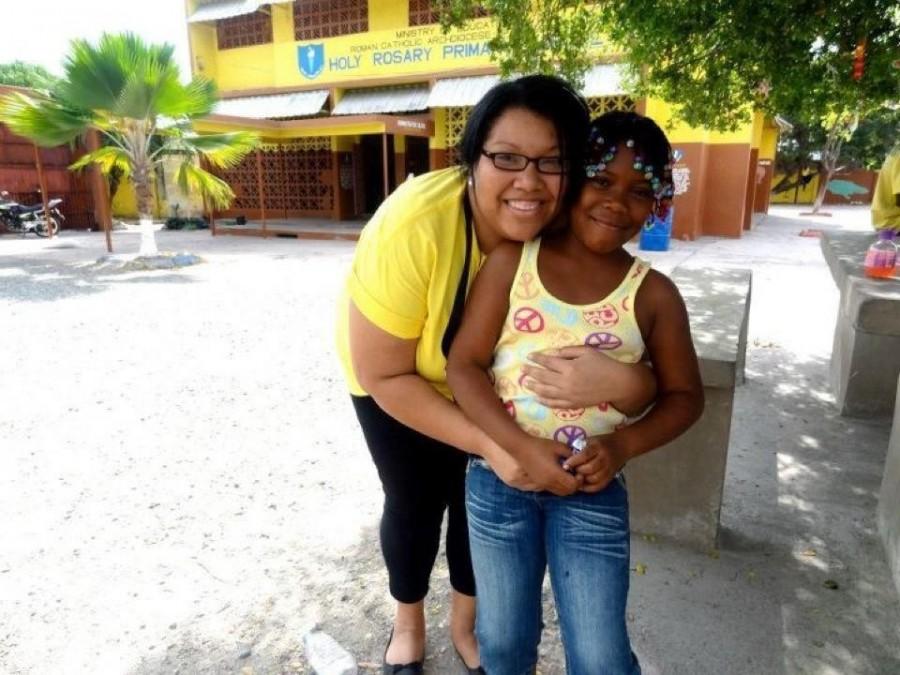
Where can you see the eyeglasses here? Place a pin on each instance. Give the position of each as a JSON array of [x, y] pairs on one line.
[[510, 161]]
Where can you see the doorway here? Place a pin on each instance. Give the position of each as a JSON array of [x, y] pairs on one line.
[[416, 155], [372, 152]]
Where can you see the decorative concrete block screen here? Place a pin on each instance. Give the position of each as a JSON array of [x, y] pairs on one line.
[[245, 30], [315, 19]]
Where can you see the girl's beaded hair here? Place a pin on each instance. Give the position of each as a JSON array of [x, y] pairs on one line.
[[652, 152]]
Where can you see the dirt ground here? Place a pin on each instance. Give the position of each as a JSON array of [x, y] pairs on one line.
[[184, 489]]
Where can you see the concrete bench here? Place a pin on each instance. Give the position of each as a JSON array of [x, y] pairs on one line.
[[865, 358], [889, 500], [676, 490]]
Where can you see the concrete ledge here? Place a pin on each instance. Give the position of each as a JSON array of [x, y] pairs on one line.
[[676, 490], [889, 501], [872, 303], [865, 357]]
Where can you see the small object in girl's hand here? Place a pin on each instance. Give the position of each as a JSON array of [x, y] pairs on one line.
[[576, 446]]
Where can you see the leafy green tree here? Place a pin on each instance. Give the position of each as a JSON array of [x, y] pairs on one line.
[[717, 60], [131, 92], [798, 150], [533, 36], [21, 74]]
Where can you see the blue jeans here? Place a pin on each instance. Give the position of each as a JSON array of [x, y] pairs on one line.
[[584, 539]]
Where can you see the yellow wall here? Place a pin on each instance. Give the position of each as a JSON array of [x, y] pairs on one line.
[[769, 143], [806, 195], [343, 143], [439, 140], [759, 121], [662, 114], [203, 49], [205, 126], [388, 14]]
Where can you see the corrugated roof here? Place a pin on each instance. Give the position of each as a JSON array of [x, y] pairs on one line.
[[224, 9], [460, 91], [603, 80], [298, 104], [382, 100]]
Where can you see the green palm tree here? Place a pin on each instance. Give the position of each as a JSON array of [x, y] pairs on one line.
[[131, 92]]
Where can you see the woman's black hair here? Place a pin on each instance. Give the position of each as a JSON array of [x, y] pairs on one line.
[[546, 96], [653, 152]]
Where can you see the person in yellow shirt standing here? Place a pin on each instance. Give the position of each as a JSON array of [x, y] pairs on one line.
[[886, 198]]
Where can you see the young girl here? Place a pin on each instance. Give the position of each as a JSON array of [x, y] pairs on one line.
[[574, 286]]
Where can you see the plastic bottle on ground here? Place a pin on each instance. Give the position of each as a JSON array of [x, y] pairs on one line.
[[326, 656], [881, 258]]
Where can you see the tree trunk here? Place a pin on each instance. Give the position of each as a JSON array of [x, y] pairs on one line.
[[830, 155], [145, 214]]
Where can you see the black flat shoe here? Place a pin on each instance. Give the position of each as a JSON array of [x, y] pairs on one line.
[[412, 668], [471, 671]]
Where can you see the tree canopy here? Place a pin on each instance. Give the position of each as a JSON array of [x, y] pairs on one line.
[[712, 58], [21, 74]]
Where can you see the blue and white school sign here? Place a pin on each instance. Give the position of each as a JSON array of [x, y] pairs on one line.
[[311, 59], [423, 49]]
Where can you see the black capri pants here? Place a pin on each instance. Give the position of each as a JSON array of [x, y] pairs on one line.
[[421, 477]]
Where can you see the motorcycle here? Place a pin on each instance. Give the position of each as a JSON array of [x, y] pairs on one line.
[[24, 219]]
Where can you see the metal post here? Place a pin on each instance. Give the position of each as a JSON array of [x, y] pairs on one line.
[[262, 194], [43, 184]]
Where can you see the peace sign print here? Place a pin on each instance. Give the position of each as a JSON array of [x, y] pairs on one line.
[[526, 287], [568, 415], [559, 337], [637, 271], [569, 434], [510, 408], [603, 341], [605, 317], [528, 320]]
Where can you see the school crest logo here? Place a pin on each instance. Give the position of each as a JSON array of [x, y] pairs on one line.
[[311, 59]]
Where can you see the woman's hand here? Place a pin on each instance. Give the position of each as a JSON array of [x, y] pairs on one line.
[[602, 458], [541, 458], [581, 376], [507, 468]]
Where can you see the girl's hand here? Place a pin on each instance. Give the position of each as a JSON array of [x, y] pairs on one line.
[[580, 377], [541, 460], [602, 458]]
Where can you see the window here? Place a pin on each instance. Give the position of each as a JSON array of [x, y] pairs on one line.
[[328, 18], [244, 30]]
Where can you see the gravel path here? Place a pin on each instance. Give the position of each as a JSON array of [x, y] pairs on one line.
[[183, 487]]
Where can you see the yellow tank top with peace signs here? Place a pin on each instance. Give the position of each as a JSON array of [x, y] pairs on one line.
[[537, 321]]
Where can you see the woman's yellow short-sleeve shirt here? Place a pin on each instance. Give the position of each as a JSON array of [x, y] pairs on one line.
[[406, 269]]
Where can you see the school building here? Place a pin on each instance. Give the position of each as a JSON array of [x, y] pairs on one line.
[[350, 97]]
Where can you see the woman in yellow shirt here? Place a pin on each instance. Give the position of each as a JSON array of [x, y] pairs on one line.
[[412, 268]]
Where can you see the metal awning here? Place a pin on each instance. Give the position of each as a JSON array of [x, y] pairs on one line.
[[603, 80], [460, 91], [298, 104], [214, 10], [382, 100]]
